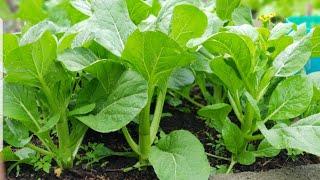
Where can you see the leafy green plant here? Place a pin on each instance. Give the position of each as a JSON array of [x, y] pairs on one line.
[[151, 56], [264, 85], [43, 98]]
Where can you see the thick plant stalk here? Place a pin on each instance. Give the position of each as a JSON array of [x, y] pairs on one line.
[[144, 129], [64, 142]]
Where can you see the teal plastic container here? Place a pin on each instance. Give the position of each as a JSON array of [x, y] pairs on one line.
[[314, 64]]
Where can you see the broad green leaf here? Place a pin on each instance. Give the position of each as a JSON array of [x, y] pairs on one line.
[[242, 15], [245, 30], [63, 13], [246, 158], [138, 10], [77, 59], [15, 133], [34, 14], [277, 46], [179, 156], [300, 32], [315, 42], [33, 64], [109, 25], [315, 79], [122, 105], [21, 104], [214, 24], [290, 98], [166, 12], [302, 135], [154, 55], [293, 58], [180, 78], [265, 149], [216, 115], [280, 30], [233, 45], [233, 138], [25, 153], [224, 9], [36, 32], [82, 110], [10, 43], [48, 125], [201, 64], [7, 154], [226, 74], [187, 22], [83, 6]]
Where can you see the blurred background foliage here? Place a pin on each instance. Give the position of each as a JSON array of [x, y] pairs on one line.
[[59, 11], [284, 8]]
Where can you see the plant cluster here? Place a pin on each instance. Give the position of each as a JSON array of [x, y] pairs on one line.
[[102, 64]]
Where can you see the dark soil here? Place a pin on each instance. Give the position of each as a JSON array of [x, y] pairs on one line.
[[178, 120]]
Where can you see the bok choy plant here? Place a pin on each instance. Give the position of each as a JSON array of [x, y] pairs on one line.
[[262, 73], [139, 64]]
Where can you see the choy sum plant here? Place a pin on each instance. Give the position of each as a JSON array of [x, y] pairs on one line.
[[137, 68], [262, 74]]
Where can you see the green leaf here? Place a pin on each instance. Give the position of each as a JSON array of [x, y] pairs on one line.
[[245, 30], [187, 22], [109, 25], [302, 135], [265, 149], [279, 30], [214, 24], [179, 155], [279, 45], [180, 78], [246, 158], [293, 58], [315, 79], [52, 121], [82, 6], [233, 138], [82, 110], [77, 59], [224, 9], [165, 14], [138, 10], [7, 154], [10, 43], [233, 45], [21, 104], [33, 64], [216, 115], [242, 15], [36, 32], [15, 133], [34, 14], [227, 74], [154, 55], [315, 42], [254, 104], [123, 104], [290, 98]]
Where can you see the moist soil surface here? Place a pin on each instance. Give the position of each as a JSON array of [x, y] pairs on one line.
[[182, 117]]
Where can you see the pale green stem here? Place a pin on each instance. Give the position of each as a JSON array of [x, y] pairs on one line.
[[130, 141], [157, 114]]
